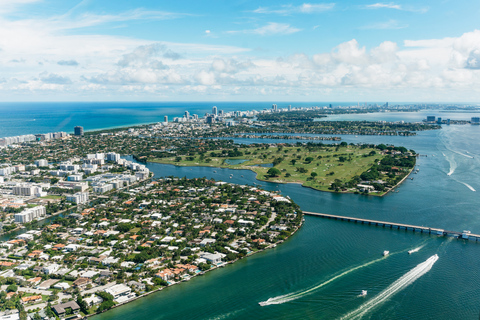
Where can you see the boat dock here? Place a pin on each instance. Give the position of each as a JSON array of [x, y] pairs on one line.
[[466, 235]]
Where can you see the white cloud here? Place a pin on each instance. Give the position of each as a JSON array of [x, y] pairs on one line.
[[394, 6], [290, 9], [272, 28], [384, 5]]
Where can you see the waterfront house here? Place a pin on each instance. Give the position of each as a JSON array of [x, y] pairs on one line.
[[61, 308]]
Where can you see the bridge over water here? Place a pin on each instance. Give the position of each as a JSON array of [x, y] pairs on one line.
[[401, 226]]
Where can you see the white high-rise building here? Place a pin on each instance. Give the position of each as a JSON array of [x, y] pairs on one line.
[[41, 163], [29, 214], [112, 156], [215, 111], [78, 198]]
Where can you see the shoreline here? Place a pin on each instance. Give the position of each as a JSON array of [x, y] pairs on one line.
[[271, 246], [286, 182]]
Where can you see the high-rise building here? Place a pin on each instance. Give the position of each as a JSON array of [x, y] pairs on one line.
[[215, 111], [289, 107], [475, 120], [165, 119], [274, 107], [210, 119], [78, 131], [187, 115], [430, 118]]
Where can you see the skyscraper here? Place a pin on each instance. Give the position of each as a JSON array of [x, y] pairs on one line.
[[215, 111], [78, 131], [165, 119]]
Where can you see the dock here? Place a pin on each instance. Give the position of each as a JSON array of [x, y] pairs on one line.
[[466, 235]]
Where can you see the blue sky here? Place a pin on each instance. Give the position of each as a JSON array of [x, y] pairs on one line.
[[239, 50]]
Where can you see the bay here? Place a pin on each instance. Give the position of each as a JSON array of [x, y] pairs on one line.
[[321, 265]]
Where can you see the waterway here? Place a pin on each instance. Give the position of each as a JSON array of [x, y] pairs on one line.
[[320, 272]]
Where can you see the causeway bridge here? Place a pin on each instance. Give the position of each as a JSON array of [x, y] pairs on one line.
[[466, 235]]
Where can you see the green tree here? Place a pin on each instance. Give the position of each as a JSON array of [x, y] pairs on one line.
[[12, 288], [273, 172]]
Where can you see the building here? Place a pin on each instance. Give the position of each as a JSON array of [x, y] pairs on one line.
[[215, 111], [81, 282], [78, 131], [165, 119], [430, 118], [81, 186], [41, 163], [29, 214], [103, 188], [61, 308], [112, 156], [475, 120], [118, 291], [6, 171], [78, 198], [210, 119]]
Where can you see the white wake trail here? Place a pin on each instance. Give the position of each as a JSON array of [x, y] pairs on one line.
[[295, 295], [468, 186], [395, 287]]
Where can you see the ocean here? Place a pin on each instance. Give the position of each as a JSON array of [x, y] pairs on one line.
[[42, 117], [320, 272]]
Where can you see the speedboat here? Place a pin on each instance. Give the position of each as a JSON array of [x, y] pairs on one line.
[[364, 293], [385, 253]]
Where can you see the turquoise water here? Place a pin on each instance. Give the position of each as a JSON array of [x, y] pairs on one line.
[[320, 272]]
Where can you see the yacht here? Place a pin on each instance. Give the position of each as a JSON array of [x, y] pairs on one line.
[[364, 293], [385, 253]]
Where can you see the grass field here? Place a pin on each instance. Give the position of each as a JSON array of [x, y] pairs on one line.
[[296, 163]]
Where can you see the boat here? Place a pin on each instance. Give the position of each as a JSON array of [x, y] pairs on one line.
[[214, 171], [413, 250], [385, 253], [364, 293]]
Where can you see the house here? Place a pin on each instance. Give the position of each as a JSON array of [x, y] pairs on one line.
[[166, 274], [136, 285], [81, 282], [61, 308], [51, 268], [31, 299], [93, 300], [212, 257], [118, 291]]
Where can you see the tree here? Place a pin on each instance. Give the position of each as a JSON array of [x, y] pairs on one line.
[[273, 172], [12, 288]]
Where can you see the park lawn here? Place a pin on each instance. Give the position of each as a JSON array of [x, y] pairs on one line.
[[326, 163], [134, 230], [52, 197]]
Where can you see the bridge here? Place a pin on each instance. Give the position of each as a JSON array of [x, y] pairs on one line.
[[400, 226]]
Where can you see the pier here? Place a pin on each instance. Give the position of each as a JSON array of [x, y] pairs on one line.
[[466, 235]]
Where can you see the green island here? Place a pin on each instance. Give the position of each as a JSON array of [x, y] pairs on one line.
[[336, 168]]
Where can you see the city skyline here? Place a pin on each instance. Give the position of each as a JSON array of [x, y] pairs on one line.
[[239, 51]]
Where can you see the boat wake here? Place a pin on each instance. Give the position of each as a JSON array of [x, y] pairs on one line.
[[395, 287], [415, 250], [295, 295], [468, 186], [453, 164]]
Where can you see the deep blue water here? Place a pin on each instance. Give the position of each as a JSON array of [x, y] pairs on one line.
[[42, 117]]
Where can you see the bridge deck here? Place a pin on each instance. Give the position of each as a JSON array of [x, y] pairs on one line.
[[392, 224]]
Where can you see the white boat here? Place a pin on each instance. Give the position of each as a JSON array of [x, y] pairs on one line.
[[364, 293], [385, 253], [413, 250]]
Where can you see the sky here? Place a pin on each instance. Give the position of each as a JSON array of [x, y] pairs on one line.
[[240, 50]]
